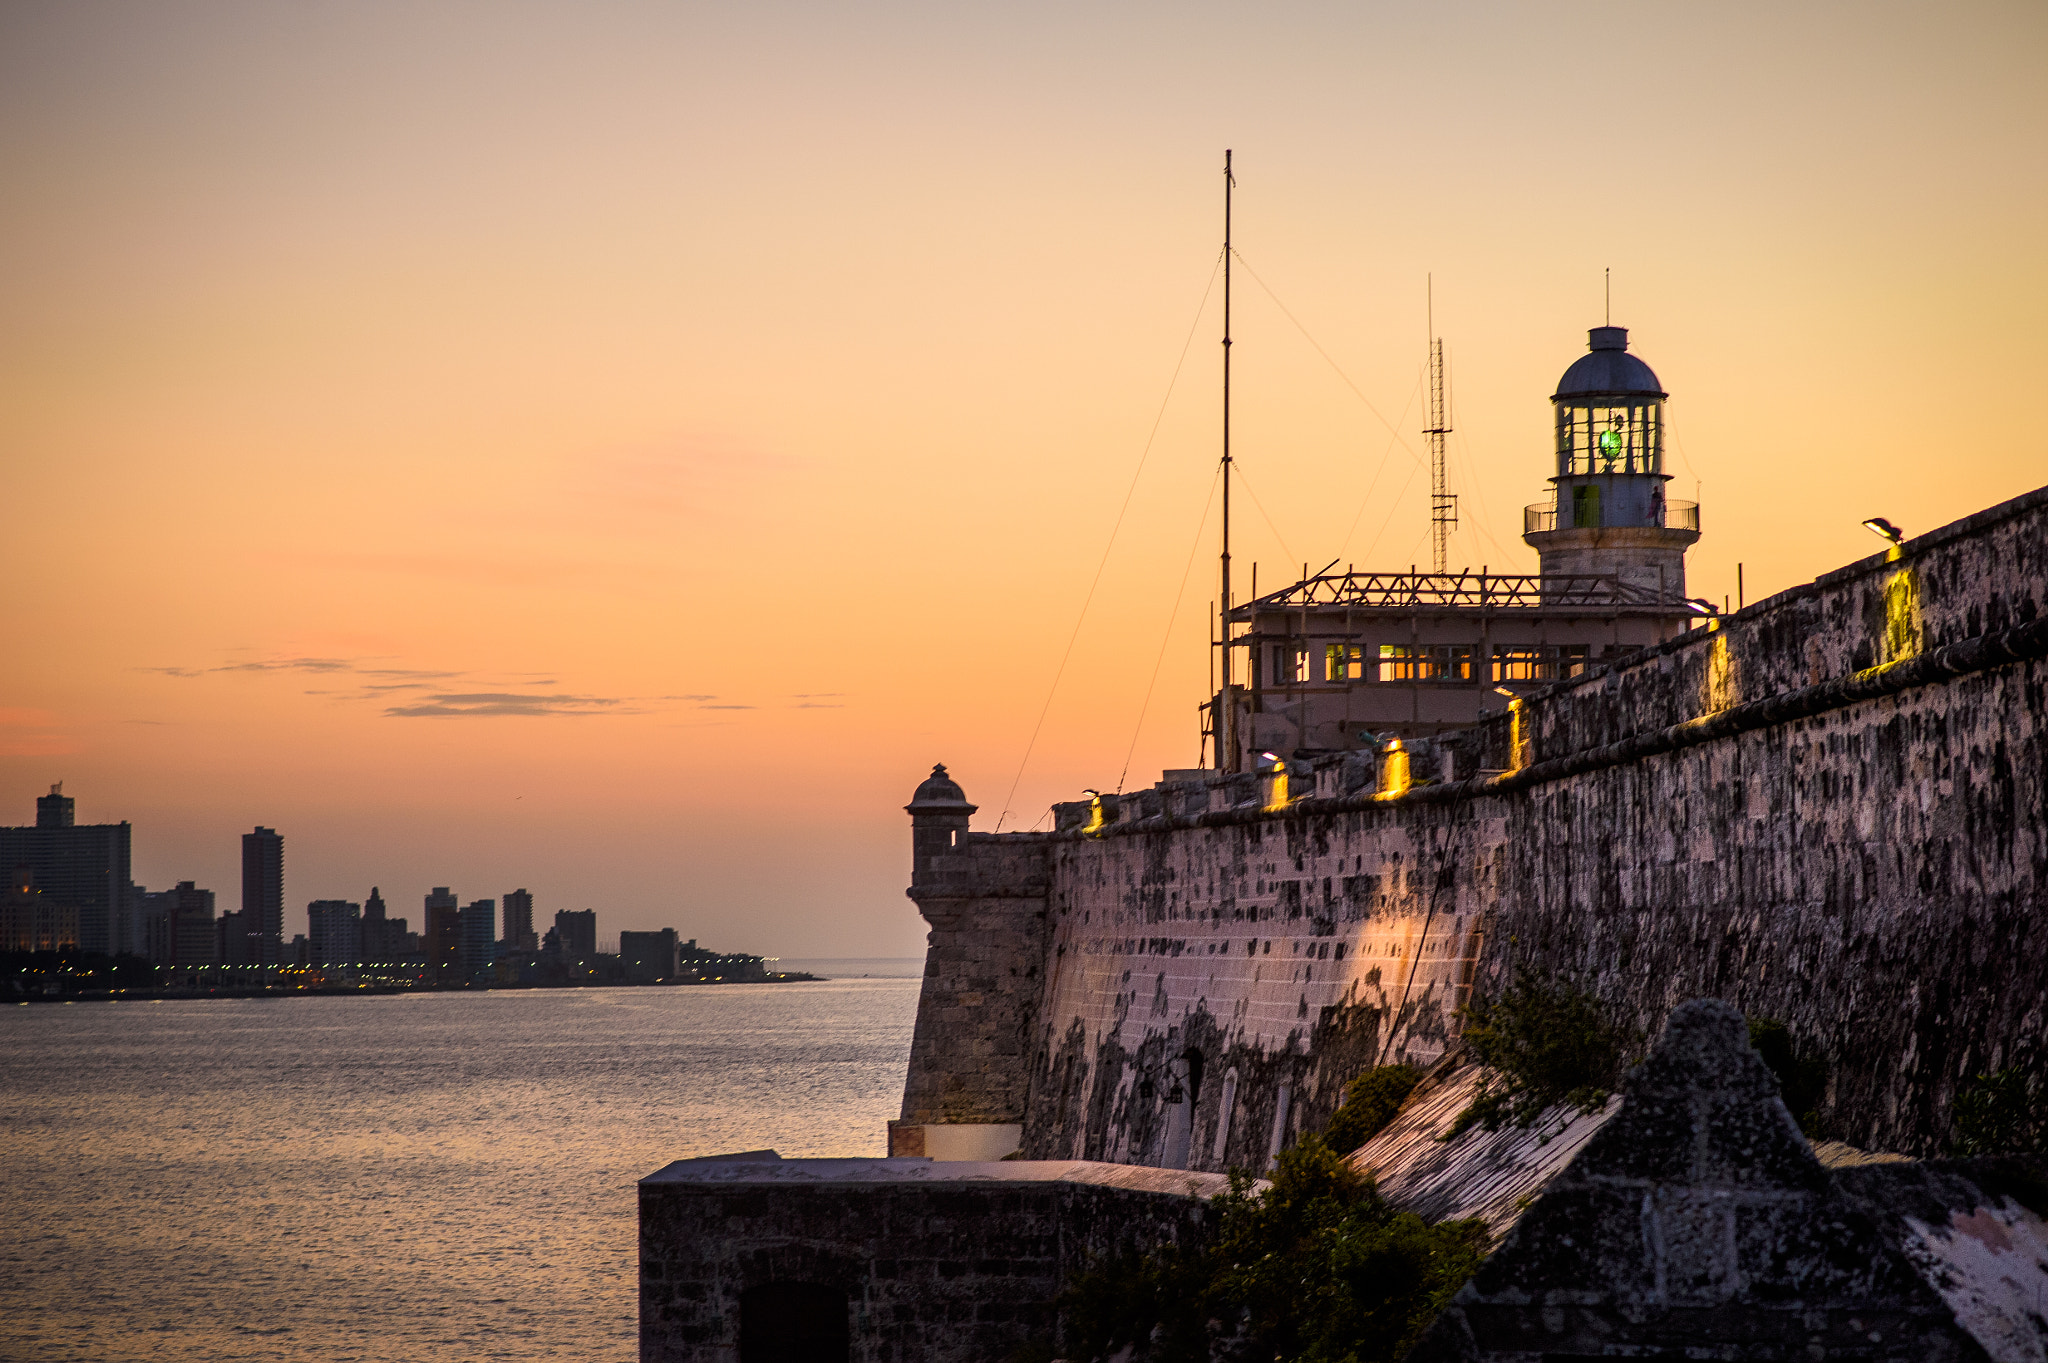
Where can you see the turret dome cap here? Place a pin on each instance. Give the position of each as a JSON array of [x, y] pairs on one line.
[[939, 794], [1609, 371]]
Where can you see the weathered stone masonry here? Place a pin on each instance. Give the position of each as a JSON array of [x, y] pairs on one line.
[[1828, 810], [885, 1260], [986, 902]]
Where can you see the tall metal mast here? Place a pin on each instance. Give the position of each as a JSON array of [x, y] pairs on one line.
[[1443, 506], [1226, 703]]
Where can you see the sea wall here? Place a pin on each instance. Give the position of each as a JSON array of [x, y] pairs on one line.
[[1829, 810], [883, 1261]]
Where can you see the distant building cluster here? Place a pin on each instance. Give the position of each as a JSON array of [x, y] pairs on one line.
[[70, 892]]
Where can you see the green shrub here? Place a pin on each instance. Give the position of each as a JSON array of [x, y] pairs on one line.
[[1548, 1044], [1317, 1268], [2005, 1113], [1802, 1080], [1370, 1102]]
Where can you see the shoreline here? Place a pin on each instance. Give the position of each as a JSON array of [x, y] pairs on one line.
[[363, 991]]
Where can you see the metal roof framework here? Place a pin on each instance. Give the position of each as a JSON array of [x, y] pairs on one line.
[[1454, 591]]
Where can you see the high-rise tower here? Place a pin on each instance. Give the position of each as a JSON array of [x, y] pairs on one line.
[[442, 940], [519, 921], [1608, 516], [263, 895]]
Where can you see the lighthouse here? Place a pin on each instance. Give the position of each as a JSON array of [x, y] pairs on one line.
[[1608, 515]]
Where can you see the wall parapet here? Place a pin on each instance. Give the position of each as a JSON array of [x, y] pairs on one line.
[[2024, 640], [2018, 644]]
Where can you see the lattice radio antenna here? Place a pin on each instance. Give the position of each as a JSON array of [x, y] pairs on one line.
[[1443, 505]]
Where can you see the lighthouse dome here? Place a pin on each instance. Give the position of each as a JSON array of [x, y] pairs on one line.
[[1608, 371]]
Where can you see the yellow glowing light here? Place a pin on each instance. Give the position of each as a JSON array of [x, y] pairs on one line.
[[1277, 796], [1902, 623], [1095, 819], [1394, 780], [1721, 689], [1518, 735]]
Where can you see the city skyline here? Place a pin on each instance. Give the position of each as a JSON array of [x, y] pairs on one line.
[[617, 455]]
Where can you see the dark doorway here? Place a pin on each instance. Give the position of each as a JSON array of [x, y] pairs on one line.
[[793, 1323]]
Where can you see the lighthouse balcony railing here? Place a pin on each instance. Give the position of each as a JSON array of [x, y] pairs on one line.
[[1592, 514]]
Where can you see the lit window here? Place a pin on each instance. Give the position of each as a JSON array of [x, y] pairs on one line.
[[1425, 662], [1519, 664], [1400, 662], [1540, 662]]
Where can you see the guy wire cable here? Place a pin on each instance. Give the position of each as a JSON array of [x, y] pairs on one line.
[[1171, 616], [1096, 581]]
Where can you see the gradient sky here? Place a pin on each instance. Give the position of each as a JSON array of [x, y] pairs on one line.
[[614, 449]]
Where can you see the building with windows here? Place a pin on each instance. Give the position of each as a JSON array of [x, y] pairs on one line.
[[32, 921], [263, 895], [518, 931], [576, 931], [386, 940], [236, 943], [1349, 660], [178, 926], [334, 932], [441, 940], [85, 866], [650, 956], [477, 934]]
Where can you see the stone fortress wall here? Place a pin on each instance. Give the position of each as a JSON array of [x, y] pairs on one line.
[[1828, 810]]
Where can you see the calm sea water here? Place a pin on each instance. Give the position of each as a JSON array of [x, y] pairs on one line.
[[419, 1177]]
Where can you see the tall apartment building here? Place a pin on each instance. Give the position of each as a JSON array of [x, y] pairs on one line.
[[518, 934], [263, 895], [84, 866], [441, 937], [334, 932], [576, 930], [479, 937]]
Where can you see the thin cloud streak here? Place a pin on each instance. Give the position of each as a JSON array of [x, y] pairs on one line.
[[525, 703], [491, 704]]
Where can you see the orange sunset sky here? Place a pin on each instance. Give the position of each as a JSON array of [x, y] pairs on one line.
[[616, 448]]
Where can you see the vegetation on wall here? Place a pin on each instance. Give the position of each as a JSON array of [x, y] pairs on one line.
[[1317, 1268], [1370, 1102], [1802, 1080], [1547, 1044], [2004, 1113]]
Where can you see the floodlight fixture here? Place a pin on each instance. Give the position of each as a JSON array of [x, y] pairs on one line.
[[1503, 691], [1699, 605], [1884, 529]]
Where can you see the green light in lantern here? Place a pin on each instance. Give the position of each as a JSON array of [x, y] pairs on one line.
[[1610, 443]]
